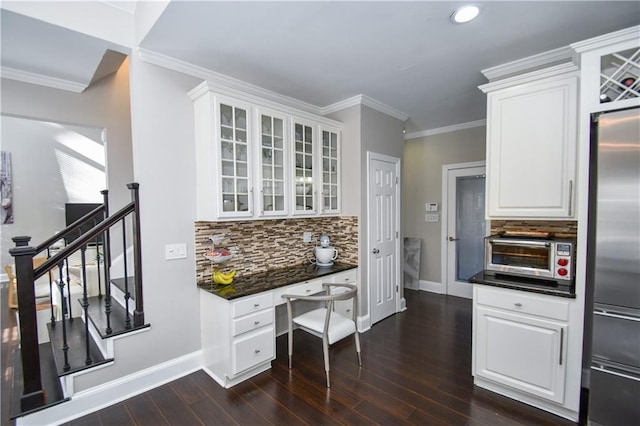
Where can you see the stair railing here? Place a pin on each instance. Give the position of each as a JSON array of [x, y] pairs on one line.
[[33, 395]]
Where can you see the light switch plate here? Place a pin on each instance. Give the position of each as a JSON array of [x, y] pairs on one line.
[[175, 251], [307, 237], [432, 217]]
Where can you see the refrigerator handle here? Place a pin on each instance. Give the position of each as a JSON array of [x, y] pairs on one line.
[[615, 373], [571, 197], [561, 344]]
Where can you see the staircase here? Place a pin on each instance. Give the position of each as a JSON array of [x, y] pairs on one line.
[[88, 308]]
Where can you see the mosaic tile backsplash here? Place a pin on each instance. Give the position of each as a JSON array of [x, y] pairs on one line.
[[260, 245], [561, 229]]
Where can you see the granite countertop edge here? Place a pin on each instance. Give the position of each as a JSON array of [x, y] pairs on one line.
[[269, 280], [568, 294]]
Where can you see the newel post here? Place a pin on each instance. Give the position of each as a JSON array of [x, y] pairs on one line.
[[138, 313], [32, 392]]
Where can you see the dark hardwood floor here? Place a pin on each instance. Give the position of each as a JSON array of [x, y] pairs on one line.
[[417, 370]]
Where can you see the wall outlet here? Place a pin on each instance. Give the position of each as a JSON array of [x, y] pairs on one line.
[[175, 251], [307, 237]]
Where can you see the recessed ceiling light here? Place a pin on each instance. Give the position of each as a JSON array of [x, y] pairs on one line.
[[465, 14]]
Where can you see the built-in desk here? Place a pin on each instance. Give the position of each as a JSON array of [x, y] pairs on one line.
[[239, 321]]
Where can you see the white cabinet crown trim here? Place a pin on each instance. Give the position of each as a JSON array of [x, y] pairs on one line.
[[222, 89], [611, 39], [554, 71], [543, 59]]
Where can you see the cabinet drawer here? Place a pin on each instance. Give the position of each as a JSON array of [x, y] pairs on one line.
[[526, 303], [347, 277], [306, 288], [251, 304], [252, 349], [252, 322]]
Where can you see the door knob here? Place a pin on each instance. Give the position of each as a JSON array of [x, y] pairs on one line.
[[453, 239], [376, 251]]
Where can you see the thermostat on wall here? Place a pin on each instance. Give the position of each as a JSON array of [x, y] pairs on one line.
[[431, 207]]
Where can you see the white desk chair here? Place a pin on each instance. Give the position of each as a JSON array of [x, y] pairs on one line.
[[324, 323]]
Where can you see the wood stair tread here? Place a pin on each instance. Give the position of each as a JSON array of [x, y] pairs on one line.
[[131, 284], [53, 393], [98, 317], [76, 339]]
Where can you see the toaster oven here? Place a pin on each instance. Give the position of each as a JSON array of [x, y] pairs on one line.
[[543, 258]]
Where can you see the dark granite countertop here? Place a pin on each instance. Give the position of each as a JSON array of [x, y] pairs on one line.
[[269, 280], [532, 285]]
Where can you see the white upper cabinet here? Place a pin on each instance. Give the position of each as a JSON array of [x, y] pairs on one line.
[[256, 161], [531, 145], [304, 170], [232, 147], [272, 172], [330, 170]]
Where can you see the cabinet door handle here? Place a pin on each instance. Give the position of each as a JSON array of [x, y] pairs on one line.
[[308, 290], [257, 351], [256, 305], [518, 305], [570, 197], [256, 322], [561, 344]]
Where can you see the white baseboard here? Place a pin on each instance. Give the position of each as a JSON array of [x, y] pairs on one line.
[[364, 323], [432, 286], [99, 397]]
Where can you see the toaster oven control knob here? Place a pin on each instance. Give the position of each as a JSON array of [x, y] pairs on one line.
[[562, 272], [563, 262]]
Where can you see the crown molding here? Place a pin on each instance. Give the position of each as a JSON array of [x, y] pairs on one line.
[[367, 101], [554, 71], [231, 85], [627, 34], [42, 80], [561, 54], [446, 129]]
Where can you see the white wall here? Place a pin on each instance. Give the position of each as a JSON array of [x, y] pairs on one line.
[[422, 182], [350, 159], [381, 134], [105, 104], [364, 129], [164, 166], [49, 170]]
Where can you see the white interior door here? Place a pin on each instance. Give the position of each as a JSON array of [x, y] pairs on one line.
[[465, 227], [384, 246]]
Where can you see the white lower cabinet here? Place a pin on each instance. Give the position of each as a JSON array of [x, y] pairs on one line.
[[252, 349], [520, 346], [238, 336], [521, 351], [343, 307]]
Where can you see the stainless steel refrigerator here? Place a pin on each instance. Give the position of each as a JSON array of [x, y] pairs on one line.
[[614, 268]]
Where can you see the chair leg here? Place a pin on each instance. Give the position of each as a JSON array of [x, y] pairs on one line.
[[290, 333], [358, 348], [325, 350], [290, 347]]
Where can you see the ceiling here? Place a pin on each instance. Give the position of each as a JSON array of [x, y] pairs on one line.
[[407, 55]]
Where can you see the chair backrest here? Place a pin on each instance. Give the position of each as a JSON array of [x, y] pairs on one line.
[[9, 270]]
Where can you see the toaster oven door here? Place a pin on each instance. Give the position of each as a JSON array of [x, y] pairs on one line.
[[520, 257]]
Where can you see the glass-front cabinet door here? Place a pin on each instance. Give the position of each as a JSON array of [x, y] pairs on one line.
[[330, 165], [235, 179], [272, 176], [304, 165]]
